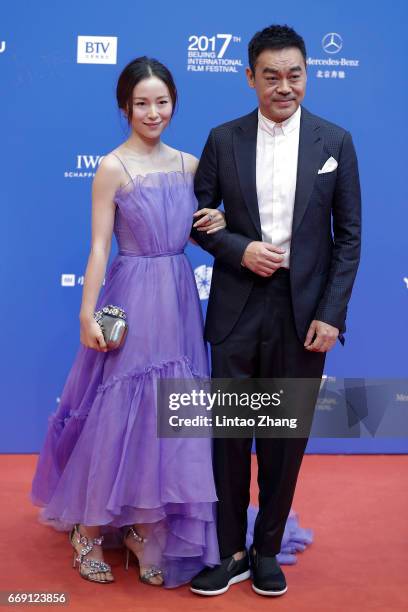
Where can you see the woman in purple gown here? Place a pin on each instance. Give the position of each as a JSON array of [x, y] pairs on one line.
[[103, 473]]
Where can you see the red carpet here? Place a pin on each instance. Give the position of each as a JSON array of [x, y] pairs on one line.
[[356, 505]]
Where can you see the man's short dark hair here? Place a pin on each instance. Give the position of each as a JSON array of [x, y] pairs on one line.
[[274, 37]]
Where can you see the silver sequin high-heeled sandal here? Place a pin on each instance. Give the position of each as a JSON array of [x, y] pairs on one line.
[[93, 566], [150, 573]]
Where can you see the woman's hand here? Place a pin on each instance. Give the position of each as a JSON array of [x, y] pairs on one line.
[[91, 335], [212, 220]]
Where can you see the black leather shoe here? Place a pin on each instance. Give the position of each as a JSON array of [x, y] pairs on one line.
[[217, 580], [267, 576]]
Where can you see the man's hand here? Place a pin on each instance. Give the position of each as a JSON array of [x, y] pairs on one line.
[[262, 258], [326, 336]]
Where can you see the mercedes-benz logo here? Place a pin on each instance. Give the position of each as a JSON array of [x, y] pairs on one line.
[[332, 43]]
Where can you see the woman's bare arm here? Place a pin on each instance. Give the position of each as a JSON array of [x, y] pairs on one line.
[[107, 180]]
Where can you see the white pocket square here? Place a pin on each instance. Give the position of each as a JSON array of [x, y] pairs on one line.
[[329, 166]]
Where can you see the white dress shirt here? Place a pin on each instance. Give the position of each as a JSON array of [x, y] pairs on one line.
[[276, 167]]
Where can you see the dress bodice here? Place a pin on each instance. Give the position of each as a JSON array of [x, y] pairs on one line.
[[154, 213]]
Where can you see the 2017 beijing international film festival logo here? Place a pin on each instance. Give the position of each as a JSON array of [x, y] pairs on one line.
[[214, 53]]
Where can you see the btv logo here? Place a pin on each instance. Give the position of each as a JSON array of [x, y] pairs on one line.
[[97, 49]]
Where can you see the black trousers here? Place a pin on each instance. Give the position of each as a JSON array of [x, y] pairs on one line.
[[263, 344]]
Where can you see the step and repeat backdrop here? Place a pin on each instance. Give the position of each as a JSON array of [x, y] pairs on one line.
[[59, 63]]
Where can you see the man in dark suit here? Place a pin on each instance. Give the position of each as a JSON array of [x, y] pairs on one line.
[[283, 274]]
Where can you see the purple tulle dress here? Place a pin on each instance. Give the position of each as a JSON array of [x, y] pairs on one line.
[[102, 462]]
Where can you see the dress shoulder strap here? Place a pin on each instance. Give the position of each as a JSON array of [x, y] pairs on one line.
[[182, 162], [124, 167]]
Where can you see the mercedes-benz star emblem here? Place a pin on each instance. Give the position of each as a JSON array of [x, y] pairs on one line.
[[332, 43]]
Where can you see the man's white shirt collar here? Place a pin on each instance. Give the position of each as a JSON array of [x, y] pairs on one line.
[[290, 124]]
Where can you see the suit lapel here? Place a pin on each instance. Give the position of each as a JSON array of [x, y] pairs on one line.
[[309, 157], [244, 145]]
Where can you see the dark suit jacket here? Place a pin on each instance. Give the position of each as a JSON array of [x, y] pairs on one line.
[[326, 230]]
